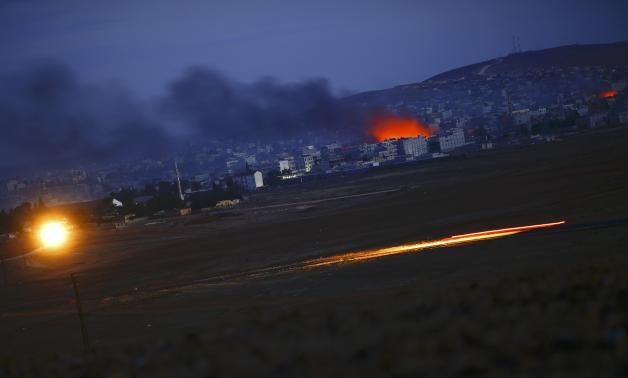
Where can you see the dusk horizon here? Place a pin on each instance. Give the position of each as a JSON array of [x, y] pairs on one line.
[[354, 188]]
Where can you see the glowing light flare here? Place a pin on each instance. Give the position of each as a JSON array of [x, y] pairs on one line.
[[415, 247], [608, 94], [391, 126], [53, 235]]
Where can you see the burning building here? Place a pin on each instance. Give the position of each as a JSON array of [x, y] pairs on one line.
[[608, 94], [390, 126]]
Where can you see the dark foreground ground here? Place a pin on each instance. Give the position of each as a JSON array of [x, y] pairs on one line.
[[189, 297]]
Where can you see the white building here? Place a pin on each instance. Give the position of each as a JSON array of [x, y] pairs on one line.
[[287, 164], [414, 146], [259, 179], [453, 139], [308, 158], [309, 161], [251, 160], [540, 112]]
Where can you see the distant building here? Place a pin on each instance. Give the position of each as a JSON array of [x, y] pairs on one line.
[[305, 163], [369, 149], [622, 117], [540, 112], [487, 145], [259, 179], [251, 160], [287, 164], [522, 116], [598, 120], [249, 181], [453, 139], [236, 165], [390, 149], [12, 185], [414, 146]]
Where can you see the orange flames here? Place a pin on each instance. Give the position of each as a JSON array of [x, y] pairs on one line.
[[391, 126], [608, 94]]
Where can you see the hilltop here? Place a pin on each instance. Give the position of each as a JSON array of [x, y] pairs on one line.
[[570, 57], [607, 54], [547, 89]]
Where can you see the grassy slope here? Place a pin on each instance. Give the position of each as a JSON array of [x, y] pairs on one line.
[[533, 303]]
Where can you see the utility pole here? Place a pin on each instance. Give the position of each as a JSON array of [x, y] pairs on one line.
[[519, 44], [4, 273], [176, 169], [79, 310]]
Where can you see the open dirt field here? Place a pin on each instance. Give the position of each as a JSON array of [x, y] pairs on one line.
[[191, 296]]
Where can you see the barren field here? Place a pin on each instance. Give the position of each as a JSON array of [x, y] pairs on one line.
[[207, 294]]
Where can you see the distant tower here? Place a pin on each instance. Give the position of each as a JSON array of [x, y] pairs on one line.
[[508, 99], [176, 169], [519, 44], [516, 44]]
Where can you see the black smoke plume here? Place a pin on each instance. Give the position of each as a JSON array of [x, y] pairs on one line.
[[217, 107], [49, 119]]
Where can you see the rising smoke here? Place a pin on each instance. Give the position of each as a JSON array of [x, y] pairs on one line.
[[220, 108], [50, 119]]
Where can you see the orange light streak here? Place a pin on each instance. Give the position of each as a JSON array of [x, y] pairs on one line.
[[415, 247], [518, 229]]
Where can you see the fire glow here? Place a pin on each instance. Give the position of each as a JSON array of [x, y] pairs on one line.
[[391, 126], [415, 247], [608, 94]]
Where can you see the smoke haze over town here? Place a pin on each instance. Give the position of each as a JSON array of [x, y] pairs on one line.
[[241, 70], [54, 120]]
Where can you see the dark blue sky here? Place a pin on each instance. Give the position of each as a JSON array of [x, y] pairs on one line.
[[356, 44]]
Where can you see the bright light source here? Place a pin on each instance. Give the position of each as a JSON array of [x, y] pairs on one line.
[[53, 234]]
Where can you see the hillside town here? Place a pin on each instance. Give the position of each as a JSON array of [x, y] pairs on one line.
[[475, 113]]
